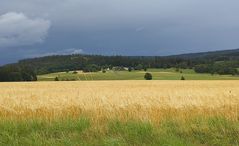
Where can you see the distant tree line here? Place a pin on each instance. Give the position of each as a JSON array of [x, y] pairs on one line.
[[91, 63], [220, 62]]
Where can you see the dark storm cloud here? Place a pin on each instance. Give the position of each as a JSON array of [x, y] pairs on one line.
[[18, 30], [129, 27]]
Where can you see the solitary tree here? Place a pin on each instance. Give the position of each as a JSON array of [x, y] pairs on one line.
[[56, 79], [182, 78], [130, 69], [148, 76]]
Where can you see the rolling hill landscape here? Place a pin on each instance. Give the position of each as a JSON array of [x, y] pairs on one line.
[[119, 73], [114, 106]]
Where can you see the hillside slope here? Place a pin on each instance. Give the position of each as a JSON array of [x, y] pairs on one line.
[[218, 55], [57, 63]]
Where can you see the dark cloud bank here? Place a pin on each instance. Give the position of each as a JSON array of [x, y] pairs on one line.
[[116, 27]]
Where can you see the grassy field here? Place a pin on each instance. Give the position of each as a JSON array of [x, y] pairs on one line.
[[158, 74], [170, 113]]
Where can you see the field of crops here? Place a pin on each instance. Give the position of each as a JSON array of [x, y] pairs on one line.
[[120, 113]]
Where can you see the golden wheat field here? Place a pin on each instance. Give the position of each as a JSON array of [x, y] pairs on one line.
[[144, 100]]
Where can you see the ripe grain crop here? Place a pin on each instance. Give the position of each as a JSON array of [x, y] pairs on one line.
[[101, 100]]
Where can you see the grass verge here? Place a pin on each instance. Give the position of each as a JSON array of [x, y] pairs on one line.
[[212, 131]]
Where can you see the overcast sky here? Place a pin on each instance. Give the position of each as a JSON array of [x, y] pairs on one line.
[[31, 28]]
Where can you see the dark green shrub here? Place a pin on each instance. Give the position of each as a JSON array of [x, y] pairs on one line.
[[182, 78], [130, 69], [56, 79], [148, 76]]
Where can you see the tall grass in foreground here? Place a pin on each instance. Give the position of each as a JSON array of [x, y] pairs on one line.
[[214, 131]]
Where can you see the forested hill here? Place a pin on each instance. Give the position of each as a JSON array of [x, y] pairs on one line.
[[220, 62], [78, 62], [215, 55]]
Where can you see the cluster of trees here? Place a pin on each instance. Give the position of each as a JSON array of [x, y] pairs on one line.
[[91, 68], [14, 72], [222, 68]]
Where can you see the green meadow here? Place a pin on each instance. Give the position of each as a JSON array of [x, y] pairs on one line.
[[158, 74]]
